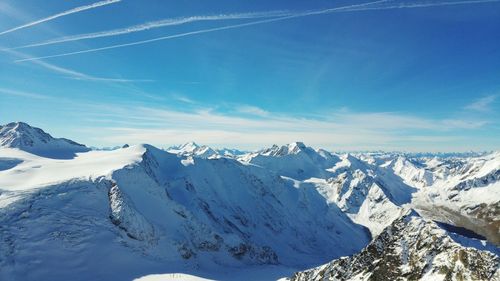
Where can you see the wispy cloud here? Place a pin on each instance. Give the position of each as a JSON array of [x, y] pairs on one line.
[[183, 99], [483, 104], [158, 24], [10, 92], [376, 5], [252, 110], [339, 130], [62, 14]]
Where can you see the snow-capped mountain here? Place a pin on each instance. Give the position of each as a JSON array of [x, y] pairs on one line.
[[467, 194], [194, 150], [137, 210], [413, 248], [202, 151], [34, 140], [294, 160], [230, 152], [369, 194]]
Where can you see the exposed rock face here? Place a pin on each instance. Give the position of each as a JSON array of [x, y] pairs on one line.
[[125, 216], [411, 248]]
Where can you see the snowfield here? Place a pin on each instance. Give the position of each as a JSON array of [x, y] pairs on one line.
[[197, 213], [32, 171]]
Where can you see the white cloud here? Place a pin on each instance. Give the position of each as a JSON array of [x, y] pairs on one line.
[[252, 110], [483, 104], [341, 130]]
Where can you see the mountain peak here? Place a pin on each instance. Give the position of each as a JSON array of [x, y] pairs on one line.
[[22, 136], [291, 148], [193, 149], [296, 147], [191, 145]]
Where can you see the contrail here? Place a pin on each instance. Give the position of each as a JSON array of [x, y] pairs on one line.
[[157, 24], [62, 14], [73, 74], [350, 8], [202, 31], [422, 5]]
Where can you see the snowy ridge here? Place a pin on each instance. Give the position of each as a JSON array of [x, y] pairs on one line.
[[370, 195], [194, 150]]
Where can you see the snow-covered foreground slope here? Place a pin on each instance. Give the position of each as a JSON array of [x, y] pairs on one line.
[[413, 248]]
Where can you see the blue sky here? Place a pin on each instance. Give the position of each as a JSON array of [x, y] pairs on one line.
[[343, 75]]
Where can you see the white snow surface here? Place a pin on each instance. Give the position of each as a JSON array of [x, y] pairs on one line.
[[33, 171]]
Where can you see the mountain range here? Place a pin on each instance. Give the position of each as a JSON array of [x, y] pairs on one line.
[[72, 212]]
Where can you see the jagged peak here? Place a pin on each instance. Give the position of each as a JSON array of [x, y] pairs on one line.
[[288, 149], [193, 149], [297, 145], [349, 160], [189, 144]]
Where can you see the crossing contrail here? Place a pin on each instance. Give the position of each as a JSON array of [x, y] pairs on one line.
[[62, 14], [157, 24], [349, 8], [422, 5], [296, 15]]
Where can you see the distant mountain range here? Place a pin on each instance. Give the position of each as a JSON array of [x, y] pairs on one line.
[[69, 212]]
